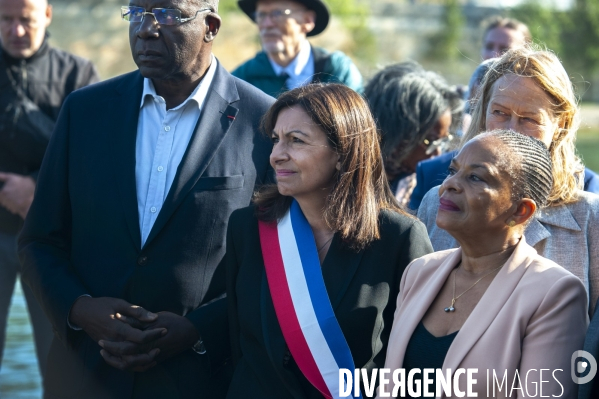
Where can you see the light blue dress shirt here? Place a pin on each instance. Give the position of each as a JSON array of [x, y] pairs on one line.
[[162, 139], [300, 70]]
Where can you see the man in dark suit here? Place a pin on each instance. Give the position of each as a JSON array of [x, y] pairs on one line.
[[590, 390], [128, 224]]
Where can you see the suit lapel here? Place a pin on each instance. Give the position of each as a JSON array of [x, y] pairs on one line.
[[124, 135], [490, 304], [213, 124], [536, 232], [338, 270]]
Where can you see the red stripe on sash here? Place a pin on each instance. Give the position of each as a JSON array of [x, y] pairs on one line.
[[281, 298]]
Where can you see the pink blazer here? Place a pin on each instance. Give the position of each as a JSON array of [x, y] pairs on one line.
[[533, 316]]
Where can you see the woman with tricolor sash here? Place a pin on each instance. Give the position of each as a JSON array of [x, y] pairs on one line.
[[313, 267]]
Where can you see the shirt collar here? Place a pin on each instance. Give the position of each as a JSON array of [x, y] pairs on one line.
[[298, 64], [198, 95], [559, 216]]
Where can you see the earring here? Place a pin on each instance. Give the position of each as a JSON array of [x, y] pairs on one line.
[[512, 223]]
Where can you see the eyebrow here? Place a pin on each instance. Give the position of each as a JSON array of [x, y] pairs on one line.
[[519, 114], [479, 166], [290, 132], [474, 166]]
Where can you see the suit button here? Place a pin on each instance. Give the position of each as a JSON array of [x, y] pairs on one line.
[[142, 260]]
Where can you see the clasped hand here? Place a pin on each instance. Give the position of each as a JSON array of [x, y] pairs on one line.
[[131, 337], [16, 194]]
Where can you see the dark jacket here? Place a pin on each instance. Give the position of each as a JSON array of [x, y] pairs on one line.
[[47, 78], [432, 172], [362, 287], [590, 390], [333, 67], [82, 233]]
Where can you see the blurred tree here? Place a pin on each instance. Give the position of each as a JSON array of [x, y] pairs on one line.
[[546, 23], [581, 36], [444, 46], [572, 34]]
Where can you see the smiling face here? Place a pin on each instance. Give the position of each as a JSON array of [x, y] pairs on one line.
[[171, 52], [499, 40], [23, 26], [519, 104], [286, 33], [476, 197], [304, 162]]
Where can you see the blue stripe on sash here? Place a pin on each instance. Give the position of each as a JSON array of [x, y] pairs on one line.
[[318, 293]]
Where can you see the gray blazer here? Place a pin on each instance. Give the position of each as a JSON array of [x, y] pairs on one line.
[[566, 234]]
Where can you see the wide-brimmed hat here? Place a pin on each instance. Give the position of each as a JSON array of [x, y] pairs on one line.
[[321, 10]]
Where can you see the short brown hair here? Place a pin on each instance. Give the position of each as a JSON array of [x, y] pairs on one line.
[[361, 190], [497, 21]]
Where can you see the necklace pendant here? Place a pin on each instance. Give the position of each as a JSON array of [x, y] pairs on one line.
[[449, 309]]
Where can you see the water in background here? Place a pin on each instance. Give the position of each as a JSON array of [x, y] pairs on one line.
[[19, 374]]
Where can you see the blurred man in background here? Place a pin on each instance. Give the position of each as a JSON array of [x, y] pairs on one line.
[[287, 59], [35, 79], [502, 34]]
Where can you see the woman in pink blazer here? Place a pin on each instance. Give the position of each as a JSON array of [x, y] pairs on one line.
[[493, 304]]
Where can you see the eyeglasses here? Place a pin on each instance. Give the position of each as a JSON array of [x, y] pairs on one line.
[[164, 16], [274, 15], [442, 143]]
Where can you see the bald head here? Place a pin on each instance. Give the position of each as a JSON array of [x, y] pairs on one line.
[[23, 26]]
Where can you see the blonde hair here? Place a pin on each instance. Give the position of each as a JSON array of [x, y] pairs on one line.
[[548, 73]]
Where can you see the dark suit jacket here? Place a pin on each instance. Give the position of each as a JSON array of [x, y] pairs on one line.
[[82, 234], [431, 172], [590, 390], [362, 287]]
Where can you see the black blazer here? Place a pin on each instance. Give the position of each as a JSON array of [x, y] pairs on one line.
[[82, 234], [590, 390], [362, 287]]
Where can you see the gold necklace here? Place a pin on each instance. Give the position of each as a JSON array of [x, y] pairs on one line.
[[451, 308]]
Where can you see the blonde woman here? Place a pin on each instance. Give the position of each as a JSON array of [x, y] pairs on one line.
[[529, 91]]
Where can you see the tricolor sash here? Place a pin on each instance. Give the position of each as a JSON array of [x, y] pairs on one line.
[[301, 301]]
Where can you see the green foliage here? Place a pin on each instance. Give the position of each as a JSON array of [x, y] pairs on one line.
[[581, 36], [444, 45], [546, 24], [572, 34], [227, 6]]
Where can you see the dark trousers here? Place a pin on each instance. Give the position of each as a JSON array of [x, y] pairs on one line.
[[9, 270]]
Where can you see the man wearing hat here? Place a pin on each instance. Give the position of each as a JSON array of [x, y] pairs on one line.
[[288, 60]]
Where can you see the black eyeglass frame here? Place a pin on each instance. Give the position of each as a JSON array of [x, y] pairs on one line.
[[158, 13]]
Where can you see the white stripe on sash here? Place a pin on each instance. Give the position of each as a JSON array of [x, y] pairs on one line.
[[298, 289]]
